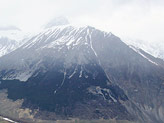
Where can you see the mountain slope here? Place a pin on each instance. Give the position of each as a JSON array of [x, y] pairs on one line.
[[71, 71], [156, 49], [62, 75], [7, 46], [10, 39], [137, 75]]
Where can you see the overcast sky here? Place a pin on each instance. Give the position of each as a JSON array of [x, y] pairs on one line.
[[138, 19]]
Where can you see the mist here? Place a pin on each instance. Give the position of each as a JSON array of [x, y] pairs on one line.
[[135, 19], [82, 61]]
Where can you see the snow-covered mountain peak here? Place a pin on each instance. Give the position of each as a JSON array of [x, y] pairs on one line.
[[69, 42], [57, 21], [11, 38], [7, 45], [68, 35]]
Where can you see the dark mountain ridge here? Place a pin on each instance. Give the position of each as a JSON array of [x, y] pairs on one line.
[[85, 73]]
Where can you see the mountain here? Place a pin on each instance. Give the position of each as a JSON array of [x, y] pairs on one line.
[[82, 72], [57, 21], [7, 45], [11, 38], [156, 49]]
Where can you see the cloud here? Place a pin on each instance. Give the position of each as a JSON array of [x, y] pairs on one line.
[[142, 19]]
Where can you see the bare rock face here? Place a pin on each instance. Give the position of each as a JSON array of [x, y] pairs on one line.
[[84, 73]]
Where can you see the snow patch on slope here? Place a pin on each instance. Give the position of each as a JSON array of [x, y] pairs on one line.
[[138, 51], [18, 76], [156, 49], [97, 90]]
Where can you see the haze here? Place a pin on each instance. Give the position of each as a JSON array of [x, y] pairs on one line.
[[137, 19]]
